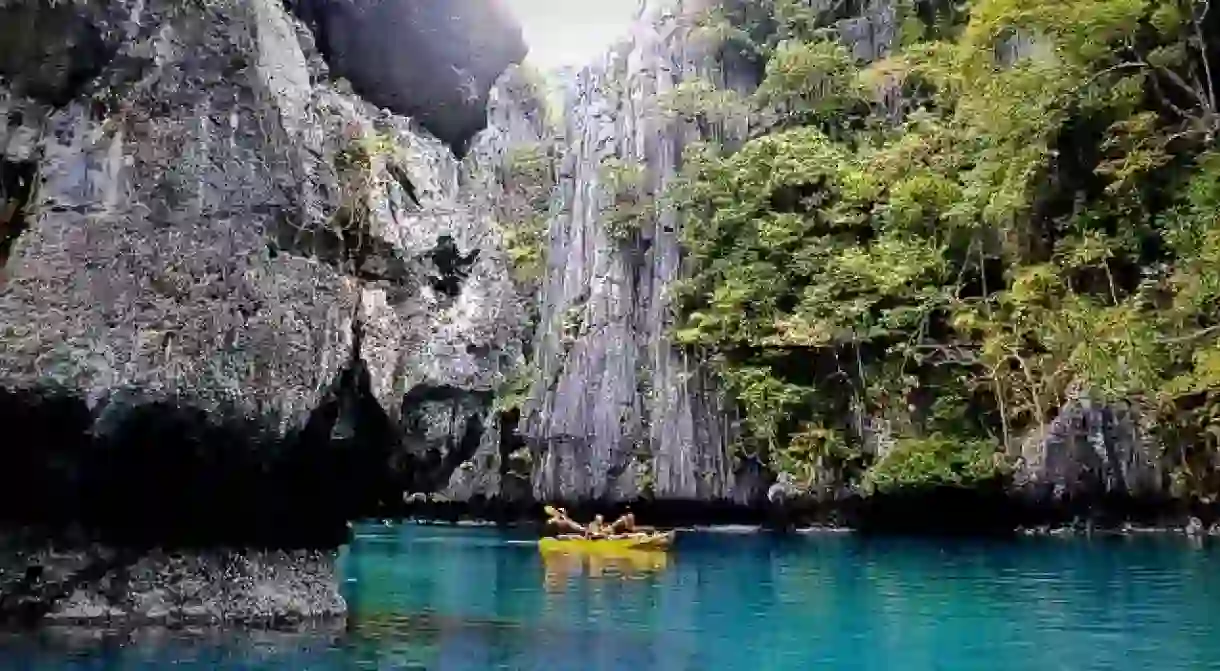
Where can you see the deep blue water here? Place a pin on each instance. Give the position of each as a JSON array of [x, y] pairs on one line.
[[456, 599]]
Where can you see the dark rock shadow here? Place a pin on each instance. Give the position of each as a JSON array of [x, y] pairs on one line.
[[432, 61]]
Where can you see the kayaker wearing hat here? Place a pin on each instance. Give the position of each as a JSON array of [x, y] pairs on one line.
[[626, 525], [558, 518], [597, 528]]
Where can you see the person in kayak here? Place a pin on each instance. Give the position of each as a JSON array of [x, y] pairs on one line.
[[597, 528], [557, 518], [626, 525]]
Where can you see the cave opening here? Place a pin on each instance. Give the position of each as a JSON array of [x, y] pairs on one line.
[[42, 459], [17, 180], [426, 464], [516, 462], [138, 474], [346, 449]]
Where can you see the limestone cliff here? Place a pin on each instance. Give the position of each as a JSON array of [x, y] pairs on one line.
[[240, 303], [616, 412], [619, 412]]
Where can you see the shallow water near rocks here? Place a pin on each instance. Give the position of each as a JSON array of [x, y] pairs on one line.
[[442, 598]]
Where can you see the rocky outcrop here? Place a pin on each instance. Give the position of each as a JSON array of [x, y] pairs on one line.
[[615, 411], [1092, 451], [619, 412], [227, 278], [54, 583]]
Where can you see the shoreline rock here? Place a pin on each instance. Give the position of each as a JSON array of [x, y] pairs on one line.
[[953, 512], [1125, 530], [66, 583]]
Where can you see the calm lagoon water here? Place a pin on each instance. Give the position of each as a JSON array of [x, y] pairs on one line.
[[457, 599]]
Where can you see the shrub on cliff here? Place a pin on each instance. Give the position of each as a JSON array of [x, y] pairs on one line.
[[631, 204], [699, 101], [529, 178], [363, 166], [915, 464]]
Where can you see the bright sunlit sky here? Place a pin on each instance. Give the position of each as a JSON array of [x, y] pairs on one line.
[[571, 32]]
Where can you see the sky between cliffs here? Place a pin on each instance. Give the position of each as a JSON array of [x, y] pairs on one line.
[[571, 32]]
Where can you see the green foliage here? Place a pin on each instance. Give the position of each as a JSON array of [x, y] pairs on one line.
[[361, 152], [797, 19], [1042, 220], [529, 171], [573, 325], [811, 82], [936, 461], [817, 458], [631, 204], [520, 465], [697, 100], [716, 31], [525, 243], [538, 95], [528, 180], [645, 477], [514, 389], [361, 165]]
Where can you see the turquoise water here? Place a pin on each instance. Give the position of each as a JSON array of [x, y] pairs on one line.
[[455, 599]]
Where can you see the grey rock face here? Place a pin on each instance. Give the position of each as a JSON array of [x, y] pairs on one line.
[[193, 215], [620, 412], [469, 449], [146, 262], [1092, 450], [431, 60], [99, 584], [871, 34]]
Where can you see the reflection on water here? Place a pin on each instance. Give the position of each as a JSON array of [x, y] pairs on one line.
[[97, 648], [561, 568], [472, 599]]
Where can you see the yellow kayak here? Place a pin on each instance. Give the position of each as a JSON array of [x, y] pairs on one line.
[[657, 542]]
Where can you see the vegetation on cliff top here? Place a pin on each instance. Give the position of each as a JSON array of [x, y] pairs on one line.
[[527, 177], [528, 181], [937, 251]]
